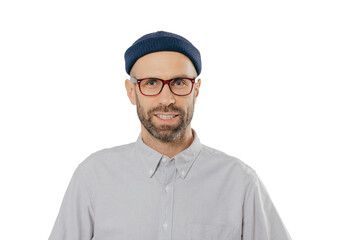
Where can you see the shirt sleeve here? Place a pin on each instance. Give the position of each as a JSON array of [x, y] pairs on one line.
[[261, 220], [75, 218]]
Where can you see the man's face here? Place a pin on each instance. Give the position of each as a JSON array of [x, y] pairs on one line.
[[164, 65]]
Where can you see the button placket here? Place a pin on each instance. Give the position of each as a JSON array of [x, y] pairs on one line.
[[168, 171]]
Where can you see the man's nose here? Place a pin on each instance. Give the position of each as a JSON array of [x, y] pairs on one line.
[[166, 96]]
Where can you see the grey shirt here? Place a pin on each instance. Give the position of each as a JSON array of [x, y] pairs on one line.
[[133, 192]]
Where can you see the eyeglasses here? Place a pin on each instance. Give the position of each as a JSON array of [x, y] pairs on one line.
[[180, 86]]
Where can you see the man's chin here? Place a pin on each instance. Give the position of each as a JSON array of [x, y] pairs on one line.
[[166, 137], [165, 134], [165, 128]]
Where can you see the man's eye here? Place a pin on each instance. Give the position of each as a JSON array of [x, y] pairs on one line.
[[179, 82], [151, 82]]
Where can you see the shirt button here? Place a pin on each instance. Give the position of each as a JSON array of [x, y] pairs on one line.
[[167, 188], [165, 225], [151, 171], [183, 173], [164, 159]]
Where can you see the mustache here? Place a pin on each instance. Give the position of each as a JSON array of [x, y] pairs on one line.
[[166, 109]]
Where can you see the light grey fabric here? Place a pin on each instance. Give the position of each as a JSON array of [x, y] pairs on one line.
[[132, 192]]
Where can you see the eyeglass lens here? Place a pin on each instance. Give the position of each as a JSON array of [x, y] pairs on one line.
[[179, 86]]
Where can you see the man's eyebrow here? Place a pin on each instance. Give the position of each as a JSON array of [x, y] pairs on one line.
[[182, 75]]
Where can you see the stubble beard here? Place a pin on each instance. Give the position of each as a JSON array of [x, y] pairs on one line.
[[165, 133]]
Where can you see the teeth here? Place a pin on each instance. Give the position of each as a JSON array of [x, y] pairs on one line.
[[165, 116]]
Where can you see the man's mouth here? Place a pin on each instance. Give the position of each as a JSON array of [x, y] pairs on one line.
[[165, 116]]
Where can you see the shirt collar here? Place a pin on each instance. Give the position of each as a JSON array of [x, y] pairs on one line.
[[183, 160]]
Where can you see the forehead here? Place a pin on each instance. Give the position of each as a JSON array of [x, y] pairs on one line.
[[164, 64]]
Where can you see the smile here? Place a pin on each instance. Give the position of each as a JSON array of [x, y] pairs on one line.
[[165, 116]]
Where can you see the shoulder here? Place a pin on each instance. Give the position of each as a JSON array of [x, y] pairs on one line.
[[108, 156], [233, 164]]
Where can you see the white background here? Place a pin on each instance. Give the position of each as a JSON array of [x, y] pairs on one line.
[[280, 91]]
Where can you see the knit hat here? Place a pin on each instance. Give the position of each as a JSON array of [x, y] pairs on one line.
[[161, 41]]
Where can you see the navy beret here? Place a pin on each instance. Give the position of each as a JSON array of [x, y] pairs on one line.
[[161, 41]]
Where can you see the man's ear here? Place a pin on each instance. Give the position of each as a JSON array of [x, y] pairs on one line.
[[130, 89], [196, 89]]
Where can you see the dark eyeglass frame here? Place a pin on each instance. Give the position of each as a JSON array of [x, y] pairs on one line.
[[134, 80]]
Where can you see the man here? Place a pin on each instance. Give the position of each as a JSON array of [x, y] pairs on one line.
[[166, 185]]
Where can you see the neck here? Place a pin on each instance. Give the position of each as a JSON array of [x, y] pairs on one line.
[[171, 148]]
